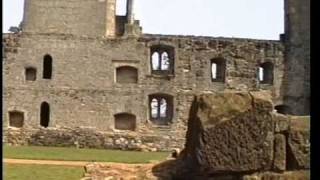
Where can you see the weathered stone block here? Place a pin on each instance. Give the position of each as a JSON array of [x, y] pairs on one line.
[[279, 163], [262, 100], [230, 132], [299, 143], [222, 107], [281, 122]]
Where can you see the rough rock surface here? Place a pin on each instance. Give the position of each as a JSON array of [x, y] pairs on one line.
[[97, 171], [290, 175], [299, 143], [231, 132], [279, 163]]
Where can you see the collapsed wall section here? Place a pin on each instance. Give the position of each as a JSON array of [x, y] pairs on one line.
[[83, 137]]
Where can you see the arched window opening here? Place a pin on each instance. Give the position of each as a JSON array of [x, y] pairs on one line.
[[31, 74], [154, 108], [47, 67], [261, 74], [282, 109], [155, 61], [218, 69], [266, 73], [16, 119], [162, 59], [165, 61], [161, 108], [126, 74], [214, 70], [44, 114], [125, 121]]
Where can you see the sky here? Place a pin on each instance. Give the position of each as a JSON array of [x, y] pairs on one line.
[[258, 19]]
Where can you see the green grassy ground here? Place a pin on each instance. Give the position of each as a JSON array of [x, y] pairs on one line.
[[41, 172], [73, 154]]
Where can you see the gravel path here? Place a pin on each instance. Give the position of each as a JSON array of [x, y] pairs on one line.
[[64, 163]]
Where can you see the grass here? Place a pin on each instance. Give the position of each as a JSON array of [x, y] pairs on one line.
[[41, 172], [73, 154]]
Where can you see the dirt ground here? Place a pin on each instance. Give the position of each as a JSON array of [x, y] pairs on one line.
[[96, 170]]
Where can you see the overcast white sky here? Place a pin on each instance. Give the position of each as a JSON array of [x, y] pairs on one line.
[[259, 19]]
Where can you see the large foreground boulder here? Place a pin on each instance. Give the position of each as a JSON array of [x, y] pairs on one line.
[[239, 133]]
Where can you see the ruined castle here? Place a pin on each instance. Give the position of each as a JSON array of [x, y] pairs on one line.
[[76, 74]]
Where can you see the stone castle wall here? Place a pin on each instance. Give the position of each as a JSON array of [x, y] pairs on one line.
[[83, 91]]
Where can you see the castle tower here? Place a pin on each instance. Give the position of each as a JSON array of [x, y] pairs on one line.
[[90, 18], [297, 55], [111, 18], [130, 11], [132, 27]]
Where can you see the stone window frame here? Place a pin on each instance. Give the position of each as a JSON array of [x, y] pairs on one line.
[[129, 67], [120, 63], [170, 108], [125, 113], [16, 111], [160, 49], [30, 68], [268, 71], [221, 69]]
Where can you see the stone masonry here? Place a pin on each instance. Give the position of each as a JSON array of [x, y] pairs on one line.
[[232, 135], [87, 45]]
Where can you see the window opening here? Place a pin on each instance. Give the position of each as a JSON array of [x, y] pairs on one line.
[[218, 68], [16, 119], [31, 74], [266, 73], [44, 114], [162, 59], [47, 67], [155, 61], [161, 108]]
